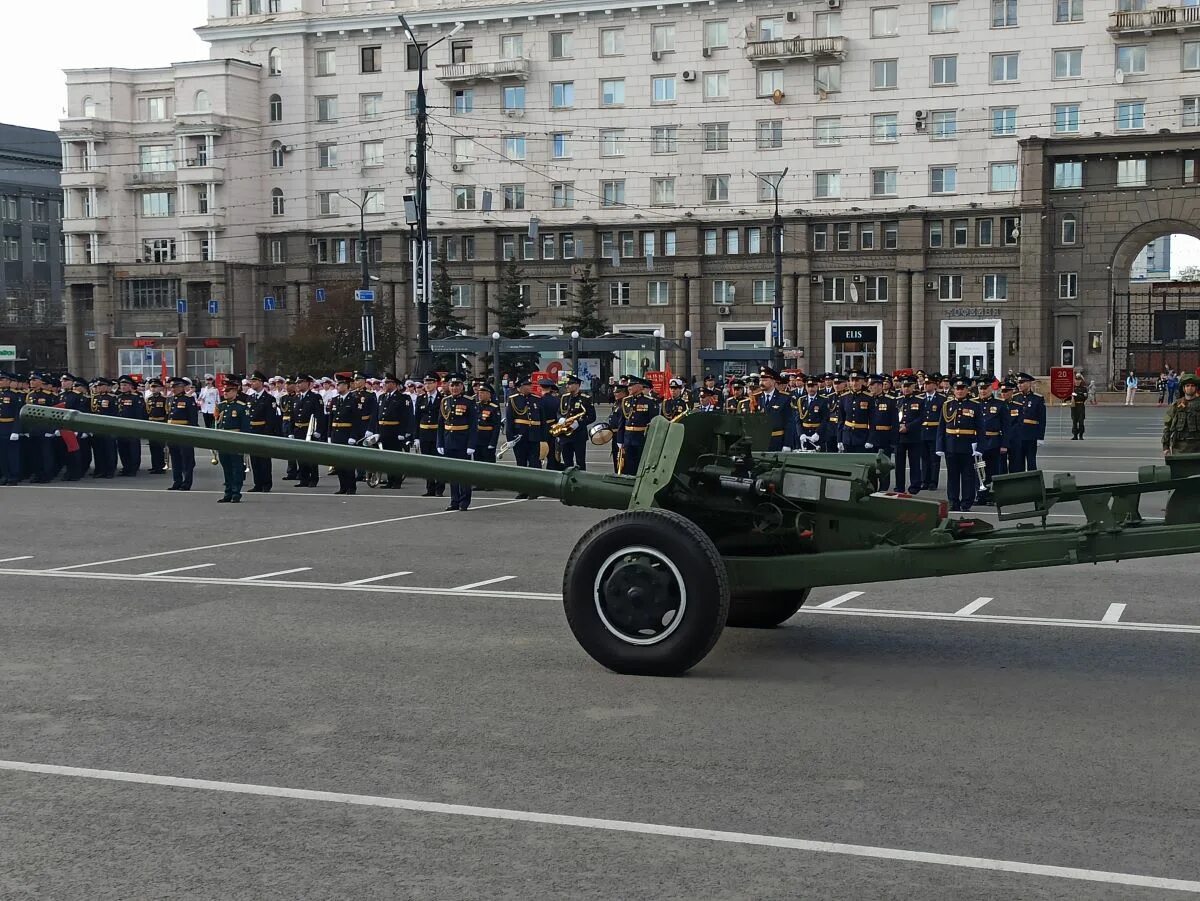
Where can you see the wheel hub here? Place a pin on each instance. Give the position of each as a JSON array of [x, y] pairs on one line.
[[639, 596]]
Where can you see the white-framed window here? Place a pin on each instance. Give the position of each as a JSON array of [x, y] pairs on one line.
[[943, 17], [771, 28], [1068, 174], [716, 34], [562, 195], [560, 145], [828, 131], [612, 92], [276, 250], [370, 106], [716, 137], [885, 128], [1191, 56], [619, 294], [461, 295], [663, 191], [513, 98], [827, 185], [277, 202], [827, 24], [558, 294], [567, 245], [1068, 63], [885, 21], [376, 202], [875, 289], [769, 81], [833, 289], [884, 74], [662, 37], [769, 134], [1068, 11], [1004, 13], [935, 234], [562, 44], [716, 85], [158, 204], [464, 197], [327, 109], [612, 192], [754, 239], [1131, 115], [1131, 173], [1068, 285], [327, 203], [943, 70], [983, 232], [1131, 59], [1002, 177], [710, 241], [820, 236], [884, 182], [658, 294], [562, 94], [663, 89], [1010, 230], [763, 291], [514, 196], [326, 62], [866, 236], [943, 124], [716, 189], [843, 236], [995, 286], [1004, 121], [512, 46], [612, 41], [943, 179], [768, 184], [1066, 118], [827, 78], [156, 158], [462, 151], [1004, 67], [274, 61], [1190, 112], [1068, 229], [723, 292], [327, 156], [950, 287], [514, 147], [464, 102], [612, 142], [664, 139]]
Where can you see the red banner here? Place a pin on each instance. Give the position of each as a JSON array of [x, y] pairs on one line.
[[1062, 381], [658, 381]]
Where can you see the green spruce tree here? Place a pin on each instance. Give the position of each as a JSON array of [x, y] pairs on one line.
[[510, 312], [444, 321], [585, 316]]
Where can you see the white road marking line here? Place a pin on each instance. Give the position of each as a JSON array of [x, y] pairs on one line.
[[403, 572], [179, 569], [841, 599], [1095, 472], [1174, 628], [1113, 613], [390, 495], [15, 559], [282, 572], [620, 826], [471, 585], [977, 604], [211, 547]]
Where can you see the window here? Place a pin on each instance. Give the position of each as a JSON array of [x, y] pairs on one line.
[[983, 232], [410, 103], [827, 25], [562, 94], [40, 209], [958, 232], [1004, 13], [277, 204], [943, 70], [943, 17], [370, 106], [514, 97], [154, 109], [716, 85], [1004, 121], [1068, 174], [1068, 63], [943, 179], [461, 151], [663, 88], [562, 44], [769, 81], [1191, 56], [88, 108], [891, 235], [733, 241], [866, 236], [462, 52], [943, 124], [619, 294], [709, 241], [995, 286], [275, 249], [1004, 67], [156, 158], [722, 292], [1131, 173], [158, 250], [820, 237], [1010, 230], [883, 182], [876, 288], [716, 34], [664, 139], [327, 156], [763, 291], [327, 109], [1068, 229], [768, 184], [612, 41], [827, 79], [716, 136], [1002, 177], [370, 59], [1131, 59], [935, 236], [833, 289], [662, 191], [754, 239], [558, 294], [461, 295], [1131, 114], [149, 294], [770, 134], [612, 192], [514, 147], [612, 92], [828, 130], [770, 28], [327, 203], [841, 236], [508, 247], [560, 145], [326, 62], [514, 196], [827, 185], [1066, 118], [464, 102], [464, 197], [235, 7], [1190, 117], [201, 102], [612, 142], [158, 204], [1068, 11], [562, 196], [662, 38], [885, 22], [512, 46], [950, 287], [883, 74], [658, 294], [716, 189], [884, 128], [1068, 285]]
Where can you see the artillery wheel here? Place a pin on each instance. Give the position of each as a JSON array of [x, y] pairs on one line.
[[765, 611], [646, 593]]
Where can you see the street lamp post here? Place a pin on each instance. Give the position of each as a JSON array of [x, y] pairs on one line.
[[575, 353], [687, 358], [368, 306], [777, 249], [421, 283], [496, 387]]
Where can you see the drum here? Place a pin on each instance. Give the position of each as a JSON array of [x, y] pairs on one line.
[[600, 433]]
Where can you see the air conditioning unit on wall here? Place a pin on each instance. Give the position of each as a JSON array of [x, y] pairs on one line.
[[724, 311]]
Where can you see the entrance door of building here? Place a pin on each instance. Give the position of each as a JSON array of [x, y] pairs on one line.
[[971, 358], [850, 361]]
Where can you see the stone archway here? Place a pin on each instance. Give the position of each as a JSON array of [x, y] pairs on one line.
[[1139, 236]]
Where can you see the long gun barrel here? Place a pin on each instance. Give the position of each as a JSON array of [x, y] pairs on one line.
[[573, 487]]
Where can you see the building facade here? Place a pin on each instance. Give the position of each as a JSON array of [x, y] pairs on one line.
[[31, 270], [965, 180]]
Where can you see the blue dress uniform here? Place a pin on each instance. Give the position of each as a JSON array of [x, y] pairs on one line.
[[833, 424], [182, 410], [368, 411], [78, 461], [457, 438], [429, 410], [487, 425], [573, 445], [957, 439], [638, 411], [524, 422], [882, 434], [777, 406], [41, 465], [156, 411], [264, 420], [931, 466], [1030, 429], [812, 415], [10, 434], [616, 422], [548, 405], [233, 415], [130, 406], [910, 440], [308, 404], [855, 414], [345, 428], [992, 424], [104, 447], [395, 422]]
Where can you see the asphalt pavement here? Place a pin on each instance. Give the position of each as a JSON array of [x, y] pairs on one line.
[[311, 696]]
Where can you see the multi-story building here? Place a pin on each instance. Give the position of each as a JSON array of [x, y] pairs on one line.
[[968, 181], [1153, 264], [31, 273]]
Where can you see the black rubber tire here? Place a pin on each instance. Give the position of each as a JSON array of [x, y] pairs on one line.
[[704, 579], [765, 611]]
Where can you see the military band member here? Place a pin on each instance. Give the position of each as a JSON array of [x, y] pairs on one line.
[[812, 414], [40, 454], [429, 409], [839, 387], [346, 429], [368, 409], [457, 436], [993, 421], [884, 420], [931, 466], [233, 415], [76, 398], [308, 409], [675, 404], [487, 424], [104, 447], [638, 411], [548, 406], [616, 422], [957, 441], [910, 431], [156, 411], [1029, 427], [130, 405], [396, 418], [264, 420], [287, 408], [523, 425], [854, 411], [182, 409], [576, 411], [10, 435]]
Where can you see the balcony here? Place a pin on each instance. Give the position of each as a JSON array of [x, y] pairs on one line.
[[84, 178], [82, 129], [497, 70], [1148, 21], [787, 49], [195, 172], [85, 226], [201, 123], [150, 179], [201, 222]]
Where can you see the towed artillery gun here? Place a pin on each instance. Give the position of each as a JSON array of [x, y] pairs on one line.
[[714, 532]]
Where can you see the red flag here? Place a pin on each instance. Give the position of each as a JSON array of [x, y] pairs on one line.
[[164, 367]]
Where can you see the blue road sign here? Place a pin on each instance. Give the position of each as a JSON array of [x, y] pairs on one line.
[[320, 295], [213, 305], [181, 305], [364, 296], [268, 303]]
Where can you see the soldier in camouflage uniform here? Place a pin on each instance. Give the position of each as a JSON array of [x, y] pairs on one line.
[[1181, 430]]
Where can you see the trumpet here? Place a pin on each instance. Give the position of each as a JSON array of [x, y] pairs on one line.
[[565, 427], [507, 446], [981, 473]]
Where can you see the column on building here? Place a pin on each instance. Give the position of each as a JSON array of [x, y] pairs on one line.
[[918, 353], [903, 357], [804, 322]]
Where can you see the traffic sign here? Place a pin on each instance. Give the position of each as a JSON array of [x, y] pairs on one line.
[[320, 295], [364, 296], [213, 306], [181, 305], [268, 303]]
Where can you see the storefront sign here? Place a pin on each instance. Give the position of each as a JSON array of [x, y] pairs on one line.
[[973, 313], [144, 342], [842, 334], [211, 342]]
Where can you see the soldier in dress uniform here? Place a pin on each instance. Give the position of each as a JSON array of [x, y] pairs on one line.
[[548, 406], [710, 381], [104, 447], [616, 422], [573, 445], [854, 411], [910, 444], [363, 388], [182, 409], [709, 401], [487, 424], [156, 411], [993, 420], [750, 403], [233, 415], [1012, 412], [429, 409], [638, 411], [1078, 401], [395, 422], [884, 420], [40, 465], [78, 461], [264, 420], [10, 436], [812, 413], [839, 387], [1029, 426], [675, 404], [737, 396], [130, 405], [287, 407], [457, 436], [1181, 427], [778, 409], [345, 428], [958, 441], [523, 425], [931, 466], [308, 404]]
